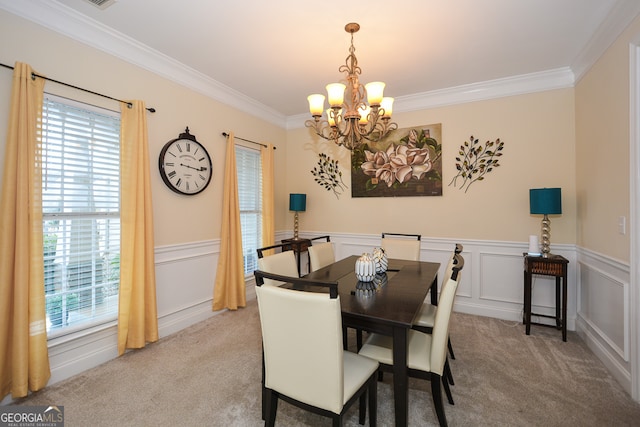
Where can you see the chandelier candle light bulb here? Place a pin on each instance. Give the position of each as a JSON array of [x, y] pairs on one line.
[[364, 114], [316, 104], [374, 92], [336, 94], [387, 106]]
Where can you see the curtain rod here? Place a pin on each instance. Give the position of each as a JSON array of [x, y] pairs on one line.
[[247, 140], [34, 75]]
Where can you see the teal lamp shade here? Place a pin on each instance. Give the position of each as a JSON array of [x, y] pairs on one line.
[[545, 201], [297, 202]]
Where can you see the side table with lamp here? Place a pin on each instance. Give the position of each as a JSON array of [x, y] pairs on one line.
[[546, 201]]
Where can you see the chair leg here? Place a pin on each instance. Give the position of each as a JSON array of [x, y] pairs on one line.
[[345, 340], [453, 356], [264, 390], [271, 399], [447, 372], [436, 392], [447, 391], [362, 410], [373, 403]]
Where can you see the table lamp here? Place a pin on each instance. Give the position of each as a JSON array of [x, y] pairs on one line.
[[545, 201], [297, 203]]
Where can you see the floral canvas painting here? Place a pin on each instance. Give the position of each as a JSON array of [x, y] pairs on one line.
[[406, 162]]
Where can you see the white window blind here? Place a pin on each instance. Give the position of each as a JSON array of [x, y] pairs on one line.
[[81, 214], [249, 170]]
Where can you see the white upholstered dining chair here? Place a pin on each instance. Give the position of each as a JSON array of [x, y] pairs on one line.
[[282, 263], [397, 246], [321, 255], [426, 316], [304, 360], [401, 246], [426, 353]]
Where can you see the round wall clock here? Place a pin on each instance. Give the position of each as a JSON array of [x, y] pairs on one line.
[[185, 166]]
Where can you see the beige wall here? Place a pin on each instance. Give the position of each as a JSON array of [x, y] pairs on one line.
[[602, 150], [538, 131], [178, 219]]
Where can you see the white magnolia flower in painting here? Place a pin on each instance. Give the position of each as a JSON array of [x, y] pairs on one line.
[[399, 163]]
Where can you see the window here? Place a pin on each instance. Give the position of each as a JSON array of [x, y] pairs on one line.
[[81, 214], [249, 169]]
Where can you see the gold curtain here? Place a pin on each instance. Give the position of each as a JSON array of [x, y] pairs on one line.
[[137, 311], [268, 215], [24, 358], [229, 289]]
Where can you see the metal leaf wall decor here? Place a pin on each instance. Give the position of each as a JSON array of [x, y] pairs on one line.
[[328, 175], [474, 161]]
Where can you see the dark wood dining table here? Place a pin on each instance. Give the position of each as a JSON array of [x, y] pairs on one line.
[[389, 309]]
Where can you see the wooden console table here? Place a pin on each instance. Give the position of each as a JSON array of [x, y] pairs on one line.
[[553, 265]]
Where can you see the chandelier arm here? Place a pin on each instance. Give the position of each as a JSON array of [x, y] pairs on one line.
[[381, 129], [321, 127]]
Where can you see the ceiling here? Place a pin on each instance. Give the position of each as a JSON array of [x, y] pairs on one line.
[[275, 53]]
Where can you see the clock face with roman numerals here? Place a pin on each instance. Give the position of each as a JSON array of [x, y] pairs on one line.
[[185, 165]]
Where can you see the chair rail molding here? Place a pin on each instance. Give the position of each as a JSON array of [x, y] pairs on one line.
[[492, 282]]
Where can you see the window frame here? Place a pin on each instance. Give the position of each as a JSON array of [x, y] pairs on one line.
[[96, 321], [251, 254]]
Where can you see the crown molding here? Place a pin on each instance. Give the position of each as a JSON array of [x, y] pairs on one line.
[[509, 86], [498, 88], [64, 20], [618, 19]]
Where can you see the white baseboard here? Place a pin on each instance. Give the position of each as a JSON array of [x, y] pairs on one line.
[[619, 371], [76, 356], [185, 317]]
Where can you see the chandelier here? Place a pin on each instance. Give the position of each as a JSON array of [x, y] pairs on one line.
[[349, 118]]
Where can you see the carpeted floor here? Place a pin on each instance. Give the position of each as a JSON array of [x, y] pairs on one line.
[[209, 375]]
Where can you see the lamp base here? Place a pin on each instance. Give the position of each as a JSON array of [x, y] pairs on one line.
[[295, 225], [545, 234]]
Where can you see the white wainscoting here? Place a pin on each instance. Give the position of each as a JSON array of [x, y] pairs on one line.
[[492, 279], [492, 285], [603, 313], [184, 293], [185, 276]]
